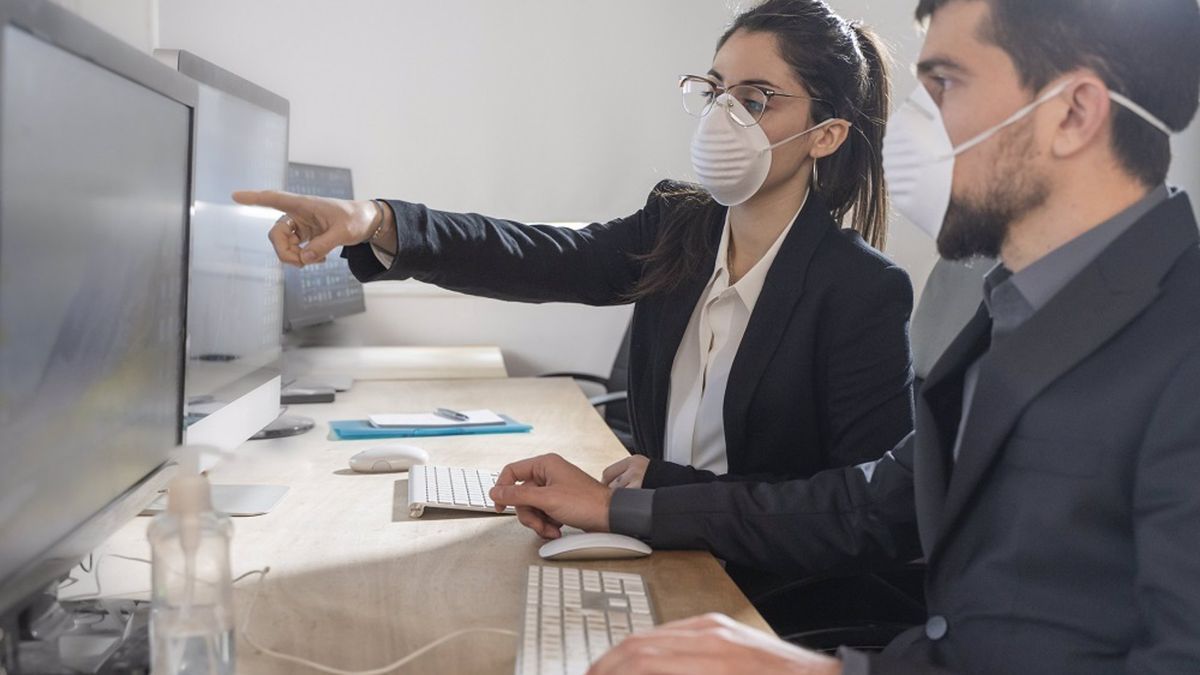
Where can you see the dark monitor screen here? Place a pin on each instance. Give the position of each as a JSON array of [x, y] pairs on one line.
[[95, 173], [323, 292], [235, 298]]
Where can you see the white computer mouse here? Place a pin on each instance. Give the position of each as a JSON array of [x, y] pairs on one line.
[[385, 458], [593, 546]]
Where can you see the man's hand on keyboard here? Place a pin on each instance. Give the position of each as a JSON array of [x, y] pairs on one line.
[[712, 643], [549, 492]]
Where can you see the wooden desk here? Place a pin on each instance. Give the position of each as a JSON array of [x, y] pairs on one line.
[[397, 363], [356, 584]]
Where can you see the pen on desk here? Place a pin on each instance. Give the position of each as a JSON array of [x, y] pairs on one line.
[[451, 414]]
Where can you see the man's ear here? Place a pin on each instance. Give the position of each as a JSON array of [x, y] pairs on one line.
[[1086, 115]]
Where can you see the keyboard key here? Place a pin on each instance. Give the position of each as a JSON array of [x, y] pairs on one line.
[[639, 605]]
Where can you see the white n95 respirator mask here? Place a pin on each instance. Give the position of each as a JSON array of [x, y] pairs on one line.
[[730, 160], [918, 156]]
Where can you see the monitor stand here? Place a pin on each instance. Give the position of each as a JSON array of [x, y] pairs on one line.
[[284, 426], [338, 383]]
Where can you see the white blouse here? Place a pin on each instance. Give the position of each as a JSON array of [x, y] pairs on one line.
[[700, 373]]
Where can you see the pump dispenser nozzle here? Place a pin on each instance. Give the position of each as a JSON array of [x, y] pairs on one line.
[[192, 616]]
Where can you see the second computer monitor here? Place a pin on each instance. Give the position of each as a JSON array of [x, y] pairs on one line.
[[235, 300], [326, 291]]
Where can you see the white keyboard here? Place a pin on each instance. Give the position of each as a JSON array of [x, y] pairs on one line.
[[573, 616], [447, 487]]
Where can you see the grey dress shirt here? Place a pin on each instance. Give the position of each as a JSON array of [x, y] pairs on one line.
[[1012, 299]]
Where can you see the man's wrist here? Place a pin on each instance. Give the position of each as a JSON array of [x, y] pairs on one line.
[[605, 524]]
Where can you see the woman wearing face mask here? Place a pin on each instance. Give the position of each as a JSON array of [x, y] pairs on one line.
[[767, 342]]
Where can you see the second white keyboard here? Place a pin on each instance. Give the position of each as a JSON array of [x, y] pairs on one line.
[[573, 616], [448, 487]]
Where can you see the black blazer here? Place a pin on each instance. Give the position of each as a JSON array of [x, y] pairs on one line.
[[1066, 539], [823, 374]]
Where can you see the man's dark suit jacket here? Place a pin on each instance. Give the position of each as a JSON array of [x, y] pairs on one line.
[[823, 376], [1066, 538]]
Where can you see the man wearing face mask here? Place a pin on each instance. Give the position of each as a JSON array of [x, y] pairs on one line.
[[1051, 480]]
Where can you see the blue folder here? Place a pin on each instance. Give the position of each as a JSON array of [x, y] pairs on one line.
[[352, 430]]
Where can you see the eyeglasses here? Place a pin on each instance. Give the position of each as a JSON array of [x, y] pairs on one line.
[[700, 93]]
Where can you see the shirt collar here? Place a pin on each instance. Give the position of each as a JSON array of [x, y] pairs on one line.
[[1042, 280], [1011, 299], [750, 286]]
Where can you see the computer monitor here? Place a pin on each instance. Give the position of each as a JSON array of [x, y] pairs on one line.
[[320, 293], [235, 299], [95, 188]]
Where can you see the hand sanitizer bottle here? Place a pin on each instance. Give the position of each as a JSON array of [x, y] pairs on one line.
[[191, 617]]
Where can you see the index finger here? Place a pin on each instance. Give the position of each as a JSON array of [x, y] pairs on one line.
[[518, 496], [274, 199], [518, 471]]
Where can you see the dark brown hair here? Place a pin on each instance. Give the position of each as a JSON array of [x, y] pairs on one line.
[[1148, 51], [842, 64]]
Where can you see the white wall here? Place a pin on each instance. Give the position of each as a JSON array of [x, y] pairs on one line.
[[531, 109], [1185, 169], [134, 21], [538, 110], [528, 109]]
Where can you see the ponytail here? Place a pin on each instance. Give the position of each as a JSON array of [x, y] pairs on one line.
[[851, 180]]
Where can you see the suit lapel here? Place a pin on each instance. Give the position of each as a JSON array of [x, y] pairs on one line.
[[1087, 313], [939, 411], [782, 289]]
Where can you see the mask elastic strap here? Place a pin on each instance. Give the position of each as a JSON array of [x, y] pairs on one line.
[[1128, 104], [1012, 119], [802, 133]]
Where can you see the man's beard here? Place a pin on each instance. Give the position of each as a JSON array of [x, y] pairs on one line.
[[978, 226]]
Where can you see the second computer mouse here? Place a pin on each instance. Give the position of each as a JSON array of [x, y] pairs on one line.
[[593, 546], [386, 458]]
